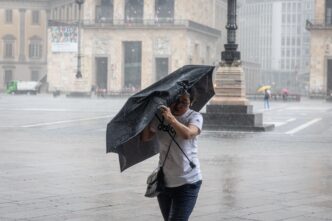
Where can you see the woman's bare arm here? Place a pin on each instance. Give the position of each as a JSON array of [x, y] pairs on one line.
[[147, 134], [186, 132]]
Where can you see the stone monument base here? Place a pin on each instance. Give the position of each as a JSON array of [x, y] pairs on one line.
[[229, 109], [234, 117]]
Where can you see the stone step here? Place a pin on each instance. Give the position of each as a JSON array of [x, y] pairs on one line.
[[236, 109], [233, 119]]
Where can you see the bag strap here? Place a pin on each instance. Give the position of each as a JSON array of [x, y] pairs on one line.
[[169, 147], [170, 130]]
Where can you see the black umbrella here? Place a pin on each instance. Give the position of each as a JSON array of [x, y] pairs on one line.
[[123, 131]]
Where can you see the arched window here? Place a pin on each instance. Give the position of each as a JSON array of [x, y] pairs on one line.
[[8, 45], [35, 47], [164, 10], [134, 11]]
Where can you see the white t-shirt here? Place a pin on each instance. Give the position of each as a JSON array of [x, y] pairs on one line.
[[177, 169]]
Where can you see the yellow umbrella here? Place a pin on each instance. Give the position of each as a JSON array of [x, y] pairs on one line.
[[263, 88]]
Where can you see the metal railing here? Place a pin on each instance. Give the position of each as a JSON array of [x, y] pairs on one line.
[[275, 97], [135, 21], [319, 23]]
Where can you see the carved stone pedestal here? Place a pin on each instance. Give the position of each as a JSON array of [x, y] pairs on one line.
[[229, 109]]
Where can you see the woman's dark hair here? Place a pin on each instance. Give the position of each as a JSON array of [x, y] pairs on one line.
[[191, 93]]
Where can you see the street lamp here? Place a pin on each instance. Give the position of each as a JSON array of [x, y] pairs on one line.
[[230, 54], [229, 109], [79, 72]]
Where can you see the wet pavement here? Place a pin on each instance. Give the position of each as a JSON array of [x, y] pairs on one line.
[[53, 165]]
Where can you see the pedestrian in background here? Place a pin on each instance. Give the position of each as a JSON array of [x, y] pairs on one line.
[[267, 96], [284, 94]]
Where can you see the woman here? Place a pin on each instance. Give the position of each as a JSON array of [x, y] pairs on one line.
[[182, 179]]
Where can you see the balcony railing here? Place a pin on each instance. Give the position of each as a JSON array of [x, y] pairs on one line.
[[141, 23], [102, 18], [133, 21], [319, 24]]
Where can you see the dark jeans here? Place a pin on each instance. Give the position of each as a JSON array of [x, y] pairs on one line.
[[177, 203]]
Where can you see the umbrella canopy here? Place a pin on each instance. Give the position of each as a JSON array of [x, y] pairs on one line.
[[284, 91], [263, 88], [123, 132]]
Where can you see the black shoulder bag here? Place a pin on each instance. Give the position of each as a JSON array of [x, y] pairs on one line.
[[155, 181]]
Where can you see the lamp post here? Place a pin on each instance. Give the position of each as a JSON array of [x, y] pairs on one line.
[[79, 72], [230, 54], [229, 109]]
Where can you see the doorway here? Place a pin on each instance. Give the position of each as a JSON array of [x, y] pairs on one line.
[[101, 72], [161, 68], [8, 77], [329, 77], [132, 65]]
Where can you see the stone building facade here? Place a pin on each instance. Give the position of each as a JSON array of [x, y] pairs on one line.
[[321, 49], [23, 40], [126, 45]]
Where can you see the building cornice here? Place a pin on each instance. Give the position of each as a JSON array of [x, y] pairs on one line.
[[9, 63], [22, 4], [33, 4], [149, 24], [58, 3]]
